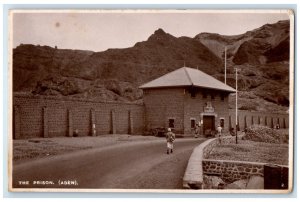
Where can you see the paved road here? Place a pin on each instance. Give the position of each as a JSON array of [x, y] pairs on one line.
[[134, 165]]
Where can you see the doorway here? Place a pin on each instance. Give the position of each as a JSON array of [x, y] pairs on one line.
[[222, 124], [208, 124]]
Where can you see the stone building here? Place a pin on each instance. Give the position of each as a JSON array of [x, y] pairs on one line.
[[186, 97], [179, 100]]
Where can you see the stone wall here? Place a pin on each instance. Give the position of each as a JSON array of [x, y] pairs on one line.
[[193, 176], [178, 104], [207, 149], [193, 108], [246, 119], [49, 117], [162, 105], [36, 116], [231, 171]]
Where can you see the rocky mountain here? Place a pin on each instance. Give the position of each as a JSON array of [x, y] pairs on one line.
[[259, 46], [113, 74], [261, 55]]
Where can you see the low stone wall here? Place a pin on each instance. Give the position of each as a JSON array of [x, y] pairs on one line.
[[207, 149], [231, 171], [193, 176]]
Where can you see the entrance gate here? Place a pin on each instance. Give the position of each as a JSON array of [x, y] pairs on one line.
[[208, 125]]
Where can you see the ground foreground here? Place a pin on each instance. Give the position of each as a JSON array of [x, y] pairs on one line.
[[25, 150], [141, 164], [247, 150]]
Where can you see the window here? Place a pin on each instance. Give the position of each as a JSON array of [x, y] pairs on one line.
[[193, 92], [171, 123], [222, 96], [204, 93], [193, 123]]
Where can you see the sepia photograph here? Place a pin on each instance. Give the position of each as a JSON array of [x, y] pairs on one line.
[[168, 101]]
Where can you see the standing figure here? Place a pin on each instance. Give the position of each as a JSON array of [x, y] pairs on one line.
[[219, 129], [170, 136], [197, 129]]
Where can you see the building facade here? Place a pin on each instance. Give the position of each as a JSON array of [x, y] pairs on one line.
[[186, 97]]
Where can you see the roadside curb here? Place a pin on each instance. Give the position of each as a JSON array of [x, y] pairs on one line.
[[193, 176]]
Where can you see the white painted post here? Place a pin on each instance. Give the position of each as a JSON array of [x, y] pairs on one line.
[[225, 63], [236, 111]]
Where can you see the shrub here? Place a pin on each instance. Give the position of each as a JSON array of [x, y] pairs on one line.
[[259, 133], [248, 106]]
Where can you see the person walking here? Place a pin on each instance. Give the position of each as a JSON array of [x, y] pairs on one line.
[[170, 136], [219, 129]]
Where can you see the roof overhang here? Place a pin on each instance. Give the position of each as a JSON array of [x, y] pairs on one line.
[[187, 77], [187, 86]]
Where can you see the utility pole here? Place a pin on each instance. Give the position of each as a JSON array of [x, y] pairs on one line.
[[236, 104], [225, 63], [184, 58]]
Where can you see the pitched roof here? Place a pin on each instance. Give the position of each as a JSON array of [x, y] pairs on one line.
[[186, 76]]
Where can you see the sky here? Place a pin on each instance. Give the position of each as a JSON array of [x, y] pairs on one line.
[[98, 31]]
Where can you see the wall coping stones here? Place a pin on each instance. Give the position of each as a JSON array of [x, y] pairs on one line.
[[242, 162], [193, 176], [71, 99], [275, 113], [235, 162]]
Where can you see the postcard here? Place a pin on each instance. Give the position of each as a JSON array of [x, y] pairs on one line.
[[163, 101]]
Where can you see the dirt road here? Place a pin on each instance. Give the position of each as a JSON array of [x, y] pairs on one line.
[[134, 165]]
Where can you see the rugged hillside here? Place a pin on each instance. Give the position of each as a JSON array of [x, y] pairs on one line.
[[262, 57], [46, 70], [258, 46], [115, 74]]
